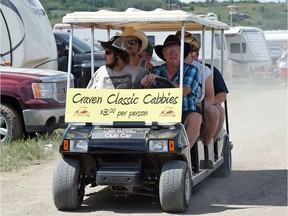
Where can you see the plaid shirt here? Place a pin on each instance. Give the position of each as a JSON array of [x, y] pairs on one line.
[[190, 79]]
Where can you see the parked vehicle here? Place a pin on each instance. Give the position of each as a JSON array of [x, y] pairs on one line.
[[32, 91], [32, 100], [26, 35], [248, 51], [142, 148], [275, 53], [81, 62], [277, 38], [276, 42]]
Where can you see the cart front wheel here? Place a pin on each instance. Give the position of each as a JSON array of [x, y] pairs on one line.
[[68, 188], [175, 186]]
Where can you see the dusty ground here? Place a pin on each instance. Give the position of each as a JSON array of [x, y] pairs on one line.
[[257, 185]]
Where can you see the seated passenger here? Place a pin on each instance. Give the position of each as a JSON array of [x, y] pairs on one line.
[[211, 113], [170, 52], [221, 91], [117, 73], [137, 42]]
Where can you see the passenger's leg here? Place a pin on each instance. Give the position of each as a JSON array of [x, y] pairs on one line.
[[192, 124], [210, 124], [221, 111]]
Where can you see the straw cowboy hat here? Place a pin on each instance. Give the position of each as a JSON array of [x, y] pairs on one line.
[[130, 31], [190, 39], [171, 39]]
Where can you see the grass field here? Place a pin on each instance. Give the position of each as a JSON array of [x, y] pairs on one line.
[[21, 153]]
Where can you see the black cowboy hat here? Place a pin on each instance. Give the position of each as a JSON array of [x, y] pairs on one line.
[[116, 42], [171, 39]]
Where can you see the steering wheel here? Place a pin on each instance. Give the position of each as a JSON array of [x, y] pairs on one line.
[[163, 83]]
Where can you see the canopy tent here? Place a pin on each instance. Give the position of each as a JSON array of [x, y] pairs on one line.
[[156, 20]]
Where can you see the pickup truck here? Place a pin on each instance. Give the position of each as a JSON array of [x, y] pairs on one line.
[[32, 101], [81, 57]]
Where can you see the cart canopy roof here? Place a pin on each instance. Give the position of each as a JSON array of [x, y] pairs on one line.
[[156, 20]]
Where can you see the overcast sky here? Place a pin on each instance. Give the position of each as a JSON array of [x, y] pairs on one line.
[[186, 1]]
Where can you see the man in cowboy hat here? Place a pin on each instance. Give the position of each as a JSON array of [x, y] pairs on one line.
[[137, 42], [117, 72], [215, 92], [170, 52]]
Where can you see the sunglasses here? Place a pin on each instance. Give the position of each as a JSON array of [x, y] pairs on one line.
[[132, 42], [108, 52]]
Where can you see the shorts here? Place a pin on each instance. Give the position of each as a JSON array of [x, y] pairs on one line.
[[186, 113]]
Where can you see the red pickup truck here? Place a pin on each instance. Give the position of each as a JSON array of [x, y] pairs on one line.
[[32, 100]]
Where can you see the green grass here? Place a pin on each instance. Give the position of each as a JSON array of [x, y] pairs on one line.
[[21, 153]]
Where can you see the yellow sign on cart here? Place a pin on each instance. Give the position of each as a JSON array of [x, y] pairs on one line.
[[108, 105]]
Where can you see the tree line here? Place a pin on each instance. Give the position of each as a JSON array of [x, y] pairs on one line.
[[267, 16]]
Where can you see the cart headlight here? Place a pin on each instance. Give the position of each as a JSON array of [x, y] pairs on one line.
[[75, 145], [158, 145], [78, 145]]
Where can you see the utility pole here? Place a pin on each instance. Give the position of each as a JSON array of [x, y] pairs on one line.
[[231, 12]]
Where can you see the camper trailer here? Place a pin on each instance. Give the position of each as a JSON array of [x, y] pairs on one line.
[[25, 26], [247, 51]]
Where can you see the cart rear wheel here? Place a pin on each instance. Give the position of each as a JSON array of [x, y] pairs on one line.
[[175, 186], [68, 188], [225, 169]]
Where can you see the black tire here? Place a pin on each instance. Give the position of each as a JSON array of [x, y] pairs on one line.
[[11, 124], [225, 169], [68, 188], [175, 186]]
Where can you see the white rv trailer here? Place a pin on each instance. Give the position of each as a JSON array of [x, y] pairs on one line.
[[23, 30], [247, 50]]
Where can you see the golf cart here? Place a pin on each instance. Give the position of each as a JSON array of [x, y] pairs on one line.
[[133, 141]]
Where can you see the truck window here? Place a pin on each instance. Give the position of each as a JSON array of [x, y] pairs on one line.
[[235, 48]]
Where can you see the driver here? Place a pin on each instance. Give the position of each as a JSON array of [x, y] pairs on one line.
[[117, 73], [170, 52]]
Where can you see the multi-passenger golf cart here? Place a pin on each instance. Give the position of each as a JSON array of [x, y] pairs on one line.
[[132, 140]]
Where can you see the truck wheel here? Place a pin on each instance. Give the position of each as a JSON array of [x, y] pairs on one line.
[[68, 188], [225, 169], [175, 186], [11, 124]]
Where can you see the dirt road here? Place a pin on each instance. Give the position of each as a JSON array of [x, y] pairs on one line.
[[257, 185]]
